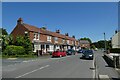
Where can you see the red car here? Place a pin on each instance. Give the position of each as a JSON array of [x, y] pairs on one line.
[[58, 53]]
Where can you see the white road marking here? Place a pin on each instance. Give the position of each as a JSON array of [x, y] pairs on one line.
[[33, 71], [106, 77], [93, 67]]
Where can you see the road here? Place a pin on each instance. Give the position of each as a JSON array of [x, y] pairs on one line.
[[65, 67]]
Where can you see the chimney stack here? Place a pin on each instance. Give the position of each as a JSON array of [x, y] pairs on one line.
[[66, 34], [20, 21], [73, 36], [58, 31]]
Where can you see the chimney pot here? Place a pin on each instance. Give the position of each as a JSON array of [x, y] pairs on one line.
[[20, 21], [58, 31], [66, 34], [73, 36]]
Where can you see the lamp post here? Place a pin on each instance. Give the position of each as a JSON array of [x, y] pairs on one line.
[[26, 33], [39, 52], [105, 41]]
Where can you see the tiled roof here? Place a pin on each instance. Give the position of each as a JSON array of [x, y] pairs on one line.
[[31, 28], [47, 32]]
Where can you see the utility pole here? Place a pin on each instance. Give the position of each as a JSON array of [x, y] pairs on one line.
[[105, 41]]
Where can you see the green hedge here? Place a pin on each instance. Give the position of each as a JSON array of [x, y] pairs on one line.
[[14, 50], [115, 50]]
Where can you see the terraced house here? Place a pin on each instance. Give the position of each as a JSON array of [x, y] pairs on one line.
[[43, 39]]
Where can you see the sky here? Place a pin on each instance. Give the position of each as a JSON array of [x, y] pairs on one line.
[[82, 19]]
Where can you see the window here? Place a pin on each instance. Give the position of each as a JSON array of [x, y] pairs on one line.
[[49, 38], [72, 42], [47, 46], [38, 37], [75, 42], [42, 47], [35, 36], [67, 41], [56, 39], [63, 41]]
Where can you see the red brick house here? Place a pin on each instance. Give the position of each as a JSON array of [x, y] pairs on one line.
[[43, 39], [84, 44]]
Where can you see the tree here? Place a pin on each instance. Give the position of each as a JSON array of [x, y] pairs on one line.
[[27, 45], [19, 41], [3, 31], [44, 28], [3, 38], [101, 44], [86, 39], [93, 46], [25, 42], [4, 41], [10, 40]]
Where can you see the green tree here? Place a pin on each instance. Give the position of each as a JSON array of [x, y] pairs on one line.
[[44, 28], [10, 40], [19, 41], [3, 31], [27, 45], [101, 44], [25, 42], [5, 41], [3, 38], [93, 46], [86, 39]]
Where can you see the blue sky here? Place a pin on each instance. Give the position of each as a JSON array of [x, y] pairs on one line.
[[83, 19]]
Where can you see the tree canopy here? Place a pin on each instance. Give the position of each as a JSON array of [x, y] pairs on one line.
[[3, 31], [101, 44], [25, 42], [86, 39]]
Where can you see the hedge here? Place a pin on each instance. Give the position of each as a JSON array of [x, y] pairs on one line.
[[115, 50], [14, 50]]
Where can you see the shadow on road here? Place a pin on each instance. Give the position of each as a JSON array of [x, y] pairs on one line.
[[115, 78], [108, 62], [82, 58]]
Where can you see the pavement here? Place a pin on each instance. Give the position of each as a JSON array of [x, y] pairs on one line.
[[103, 70]]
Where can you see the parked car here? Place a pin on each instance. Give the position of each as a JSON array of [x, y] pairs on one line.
[[58, 53], [80, 51], [88, 54], [70, 52]]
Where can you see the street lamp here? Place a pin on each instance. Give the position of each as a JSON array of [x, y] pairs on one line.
[[26, 33], [105, 41], [39, 43]]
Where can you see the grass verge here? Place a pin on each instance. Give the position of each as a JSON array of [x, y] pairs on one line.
[[19, 56]]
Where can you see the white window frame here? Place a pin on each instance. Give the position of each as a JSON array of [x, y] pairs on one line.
[[67, 41], [38, 36], [63, 41], [56, 39], [72, 42], [49, 38], [35, 36]]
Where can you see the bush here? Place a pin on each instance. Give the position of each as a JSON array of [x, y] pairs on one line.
[[115, 50], [14, 50]]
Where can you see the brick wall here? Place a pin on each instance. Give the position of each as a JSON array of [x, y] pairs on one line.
[[18, 30], [43, 37]]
